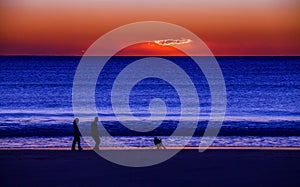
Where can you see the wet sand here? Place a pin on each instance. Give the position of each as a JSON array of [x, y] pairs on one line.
[[214, 167]]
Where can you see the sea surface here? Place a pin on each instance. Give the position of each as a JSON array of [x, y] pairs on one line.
[[263, 102]]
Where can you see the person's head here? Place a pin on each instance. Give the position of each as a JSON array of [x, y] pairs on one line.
[[96, 119], [76, 120]]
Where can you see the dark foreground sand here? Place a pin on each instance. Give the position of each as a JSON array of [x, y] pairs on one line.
[[188, 168]]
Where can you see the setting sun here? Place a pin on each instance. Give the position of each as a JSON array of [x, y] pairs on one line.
[[150, 49]]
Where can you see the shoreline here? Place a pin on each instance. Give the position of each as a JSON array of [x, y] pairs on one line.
[[154, 148]]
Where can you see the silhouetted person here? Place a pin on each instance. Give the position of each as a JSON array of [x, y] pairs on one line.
[[158, 143], [95, 133], [76, 135]]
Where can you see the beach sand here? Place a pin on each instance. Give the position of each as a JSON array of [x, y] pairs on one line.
[[214, 167]]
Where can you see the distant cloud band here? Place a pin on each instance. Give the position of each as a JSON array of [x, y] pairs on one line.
[[173, 41]]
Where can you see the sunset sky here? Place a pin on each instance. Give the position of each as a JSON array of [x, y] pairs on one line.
[[229, 27]]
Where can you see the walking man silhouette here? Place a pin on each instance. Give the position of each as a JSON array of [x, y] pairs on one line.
[[95, 133], [76, 135]]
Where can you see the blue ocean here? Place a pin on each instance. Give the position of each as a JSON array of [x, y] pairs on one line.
[[263, 99]]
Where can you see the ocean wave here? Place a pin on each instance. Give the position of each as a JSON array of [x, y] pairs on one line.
[[146, 141], [232, 126]]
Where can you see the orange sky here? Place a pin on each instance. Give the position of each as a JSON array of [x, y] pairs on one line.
[[229, 27]]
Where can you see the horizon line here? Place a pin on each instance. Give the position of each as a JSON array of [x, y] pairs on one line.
[[48, 55]]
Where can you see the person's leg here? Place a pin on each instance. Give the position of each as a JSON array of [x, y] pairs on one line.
[[73, 144], [97, 142], [79, 146]]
